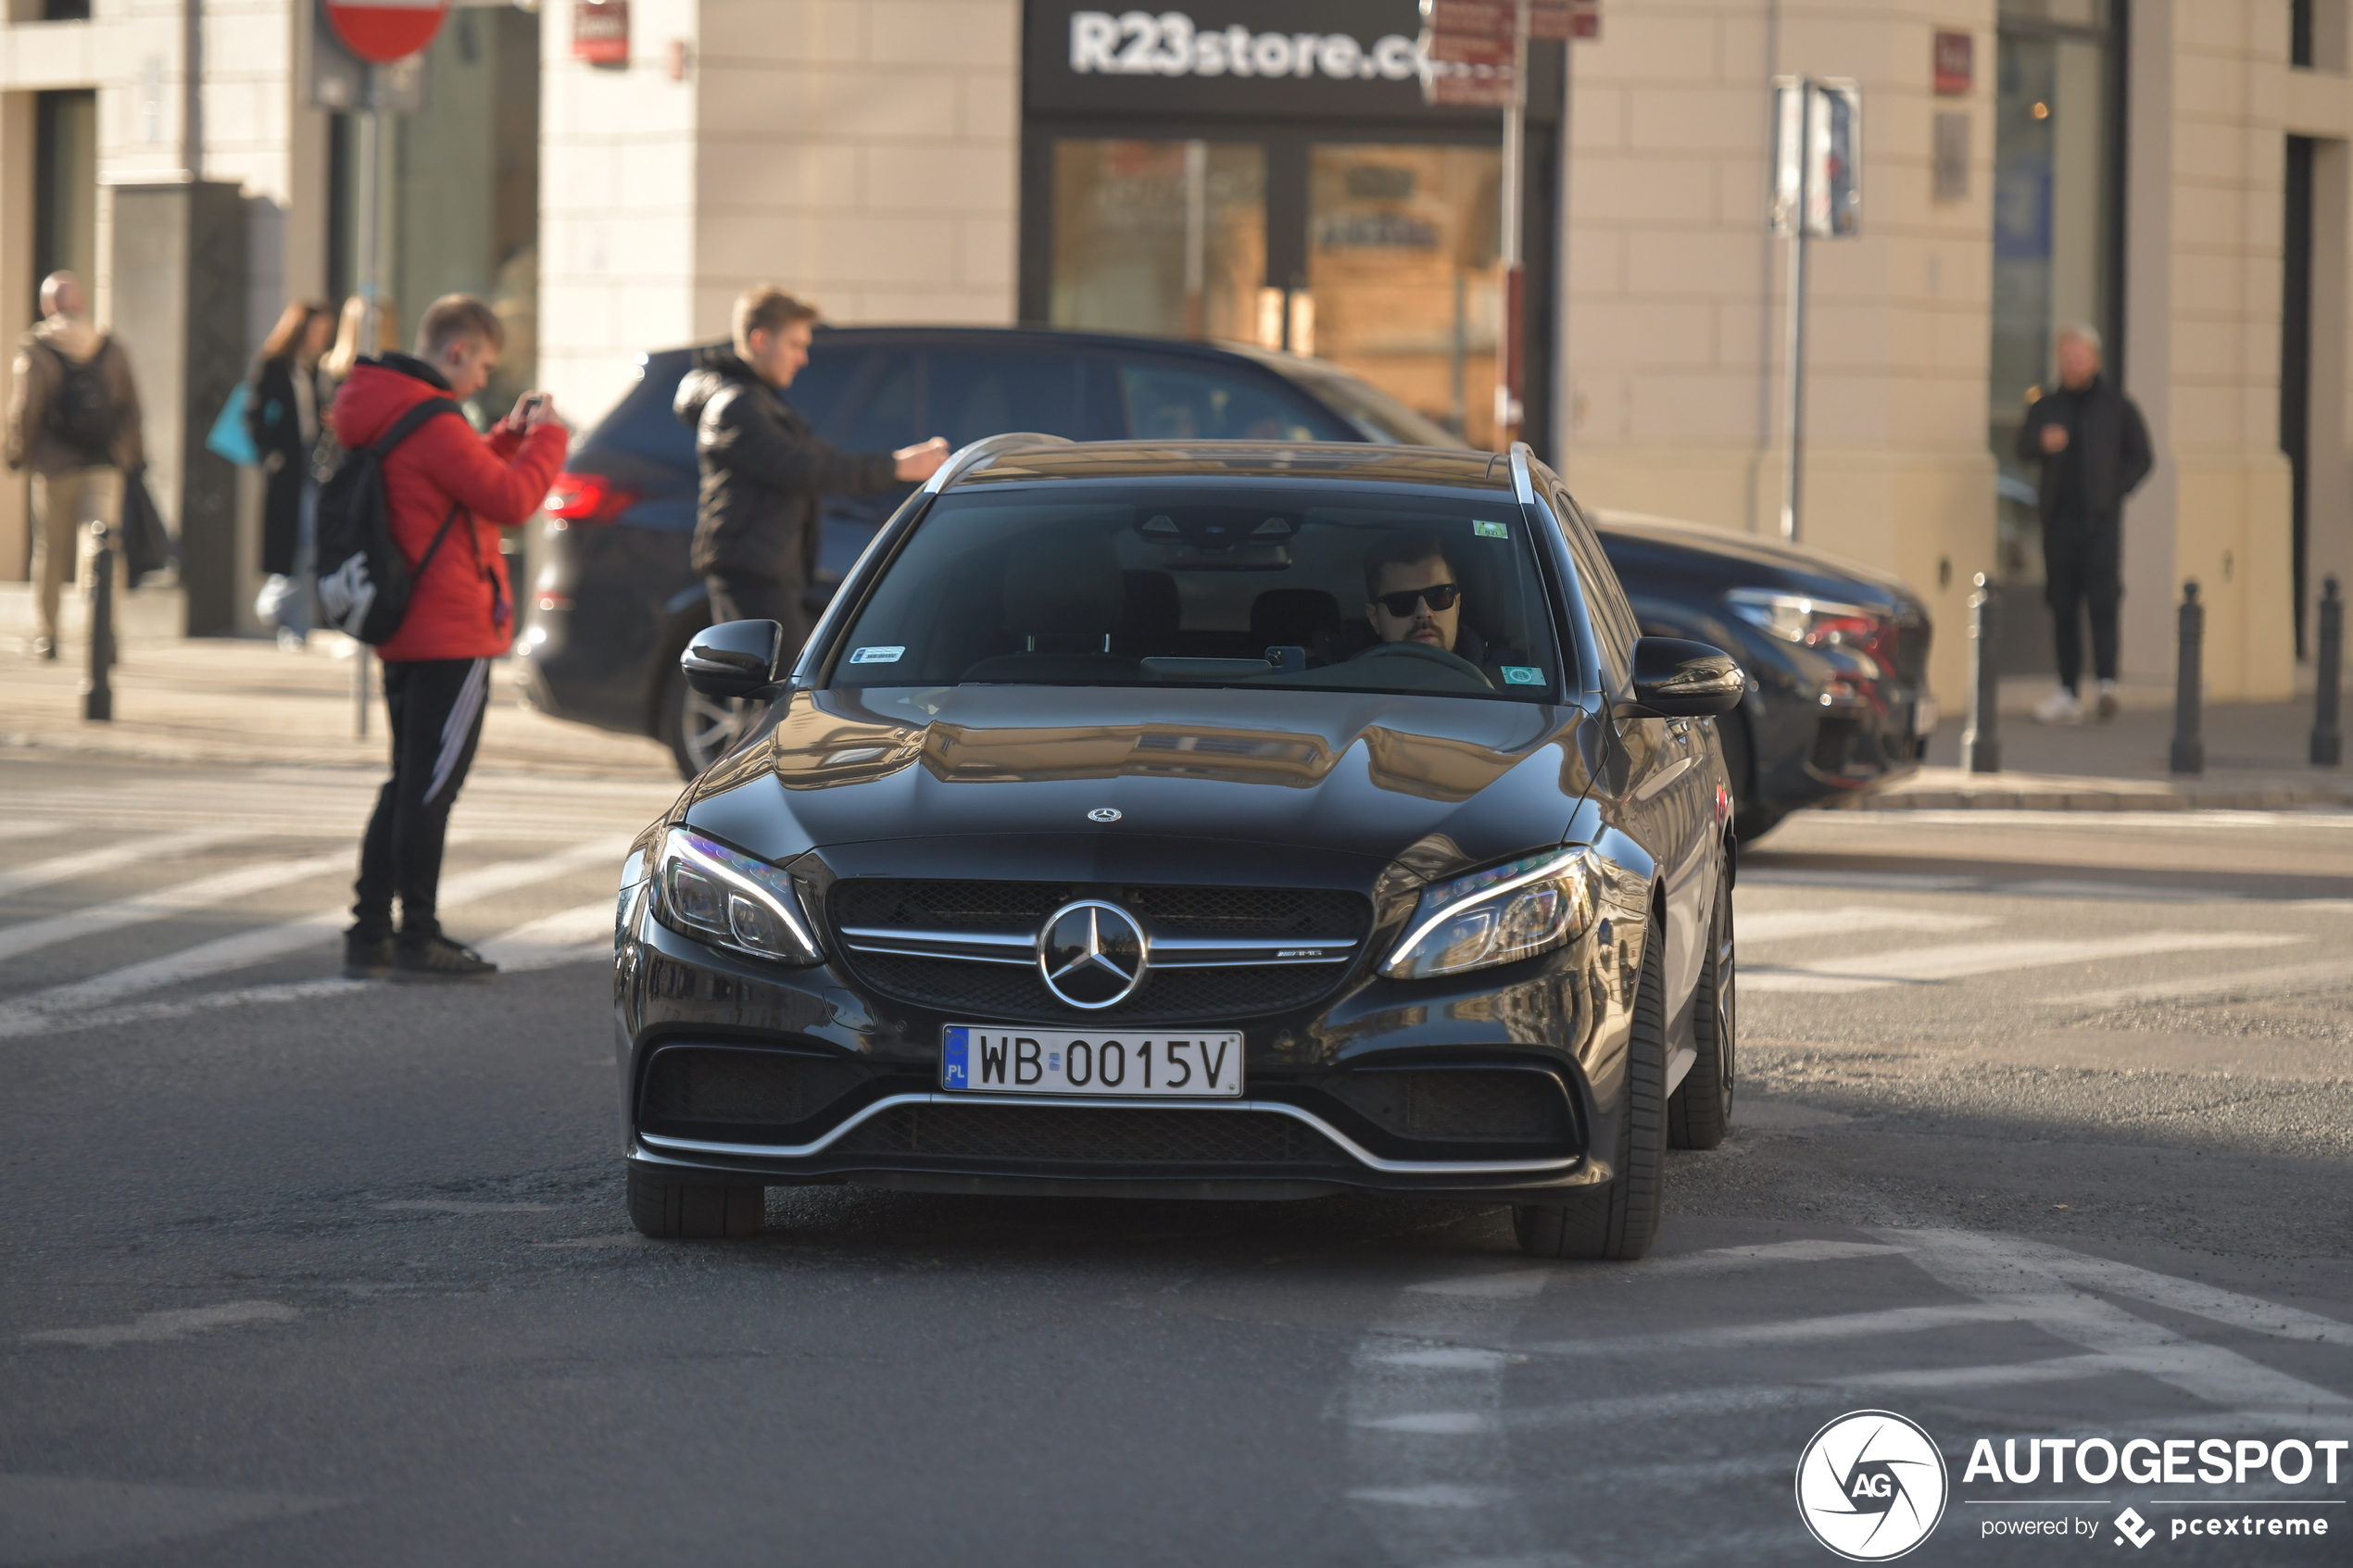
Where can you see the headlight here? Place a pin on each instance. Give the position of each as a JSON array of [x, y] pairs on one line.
[[705, 890], [1502, 914]]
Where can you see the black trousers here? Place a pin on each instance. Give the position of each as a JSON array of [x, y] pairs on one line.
[[739, 595], [2083, 572], [437, 707]]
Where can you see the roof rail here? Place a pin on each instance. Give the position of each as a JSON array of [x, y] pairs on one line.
[[963, 458], [1522, 485]]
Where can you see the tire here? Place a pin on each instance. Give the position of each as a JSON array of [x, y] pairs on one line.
[[676, 1210], [1618, 1221], [696, 729], [1700, 1113]]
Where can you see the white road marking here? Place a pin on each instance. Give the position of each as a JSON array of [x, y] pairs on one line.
[[1962, 960], [1840, 1327], [26, 827], [107, 856], [153, 1327], [570, 935], [42, 1010], [204, 892], [460, 1206], [2056, 1369], [45, 1518], [1724, 1260], [1784, 925], [1997, 1269], [2246, 983], [1520, 1285], [2058, 887], [1449, 1357], [245, 996], [1432, 1495], [1435, 1424], [1890, 881]]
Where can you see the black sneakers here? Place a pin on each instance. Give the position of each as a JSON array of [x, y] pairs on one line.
[[437, 958], [366, 958]]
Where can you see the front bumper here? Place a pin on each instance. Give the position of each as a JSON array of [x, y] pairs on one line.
[[1499, 1084]]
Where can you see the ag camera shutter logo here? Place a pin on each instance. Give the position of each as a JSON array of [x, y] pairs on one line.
[[1871, 1486]]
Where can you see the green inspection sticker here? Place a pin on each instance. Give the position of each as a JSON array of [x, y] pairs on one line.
[[1490, 530], [1522, 676]]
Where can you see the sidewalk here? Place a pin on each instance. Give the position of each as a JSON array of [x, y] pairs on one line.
[[180, 700], [2254, 759]]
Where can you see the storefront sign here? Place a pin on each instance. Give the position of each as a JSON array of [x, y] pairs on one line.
[[1357, 59], [1954, 69], [600, 32]]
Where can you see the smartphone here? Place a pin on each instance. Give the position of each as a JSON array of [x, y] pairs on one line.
[[530, 406]]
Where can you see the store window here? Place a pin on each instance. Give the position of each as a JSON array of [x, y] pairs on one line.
[[1166, 237], [1402, 258], [2056, 230]]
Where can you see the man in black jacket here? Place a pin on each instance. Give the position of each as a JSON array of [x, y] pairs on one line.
[[765, 469], [2095, 450]]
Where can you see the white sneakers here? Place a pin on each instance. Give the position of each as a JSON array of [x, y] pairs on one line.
[[2062, 706]]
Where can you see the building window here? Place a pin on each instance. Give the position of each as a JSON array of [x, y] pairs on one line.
[[2056, 227], [65, 194]]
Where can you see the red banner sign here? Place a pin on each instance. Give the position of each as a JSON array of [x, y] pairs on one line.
[[381, 32]]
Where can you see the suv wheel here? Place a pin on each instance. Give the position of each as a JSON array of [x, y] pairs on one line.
[[1701, 1113], [1617, 1221], [697, 729]]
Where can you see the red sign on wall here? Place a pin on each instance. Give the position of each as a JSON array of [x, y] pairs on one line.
[[600, 32], [1955, 57]]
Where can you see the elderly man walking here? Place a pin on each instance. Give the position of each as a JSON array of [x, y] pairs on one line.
[[2095, 450], [74, 421]]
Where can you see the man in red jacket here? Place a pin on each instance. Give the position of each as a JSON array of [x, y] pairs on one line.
[[460, 616]]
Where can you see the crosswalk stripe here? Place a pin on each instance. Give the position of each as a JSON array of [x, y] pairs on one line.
[[1766, 1254], [39, 1012], [1839, 1326], [2198, 987], [205, 892], [1961, 960], [1781, 925], [582, 932], [26, 827], [107, 856]]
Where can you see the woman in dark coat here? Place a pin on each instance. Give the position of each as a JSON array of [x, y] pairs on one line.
[[283, 413]]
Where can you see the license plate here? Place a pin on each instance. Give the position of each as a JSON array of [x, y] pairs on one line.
[[986, 1058]]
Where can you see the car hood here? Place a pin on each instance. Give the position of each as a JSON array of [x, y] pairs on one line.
[[1211, 781], [1760, 563]]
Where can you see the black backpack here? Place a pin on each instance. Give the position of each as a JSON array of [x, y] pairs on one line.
[[364, 580], [80, 411]]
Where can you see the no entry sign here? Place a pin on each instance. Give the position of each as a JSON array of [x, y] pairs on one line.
[[385, 31]]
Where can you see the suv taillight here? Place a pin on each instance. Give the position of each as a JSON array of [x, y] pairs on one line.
[[584, 499]]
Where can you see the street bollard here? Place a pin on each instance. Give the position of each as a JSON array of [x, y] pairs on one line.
[[2328, 735], [2189, 747], [1982, 742], [97, 693]]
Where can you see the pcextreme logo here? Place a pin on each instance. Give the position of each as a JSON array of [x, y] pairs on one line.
[[1871, 1486]]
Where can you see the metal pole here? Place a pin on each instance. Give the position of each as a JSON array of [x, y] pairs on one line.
[[97, 694], [1982, 742], [2328, 735], [2189, 747], [1507, 405], [371, 282], [1793, 455]]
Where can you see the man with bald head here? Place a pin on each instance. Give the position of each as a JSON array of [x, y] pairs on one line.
[[2094, 449], [74, 419]]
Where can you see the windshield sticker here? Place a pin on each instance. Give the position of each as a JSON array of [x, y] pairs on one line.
[[1490, 530], [1522, 675], [879, 656]]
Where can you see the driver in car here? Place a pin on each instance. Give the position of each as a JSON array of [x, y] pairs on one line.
[[1409, 593]]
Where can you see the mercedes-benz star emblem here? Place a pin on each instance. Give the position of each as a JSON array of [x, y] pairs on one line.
[[1091, 954], [1104, 814]]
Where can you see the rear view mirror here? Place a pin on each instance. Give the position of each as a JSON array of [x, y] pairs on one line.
[[735, 658], [1676, 679]]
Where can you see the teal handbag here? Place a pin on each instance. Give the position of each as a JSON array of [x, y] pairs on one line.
[[229, 437]]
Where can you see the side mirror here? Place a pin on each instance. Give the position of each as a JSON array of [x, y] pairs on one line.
[[735, 658], [1676, 679]]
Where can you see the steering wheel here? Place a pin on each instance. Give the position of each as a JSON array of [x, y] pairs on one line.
[[1452, 662]]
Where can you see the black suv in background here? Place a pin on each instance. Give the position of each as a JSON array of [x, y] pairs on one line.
[[1837, 702]]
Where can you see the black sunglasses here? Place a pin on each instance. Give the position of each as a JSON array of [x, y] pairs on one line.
[[1438, 595]]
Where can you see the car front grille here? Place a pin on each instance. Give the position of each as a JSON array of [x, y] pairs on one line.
[[1091, 1135], [869, 912]]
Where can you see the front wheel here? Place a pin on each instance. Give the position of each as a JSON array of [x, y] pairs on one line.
[[1701, 1112], [669, 1209], [697, 729], [1618, 1221]]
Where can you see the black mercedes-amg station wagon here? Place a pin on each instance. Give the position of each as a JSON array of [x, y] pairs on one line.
[[1217, 819]]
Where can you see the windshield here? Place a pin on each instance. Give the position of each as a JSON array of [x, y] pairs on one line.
[[1375, 415], [1208, 583]]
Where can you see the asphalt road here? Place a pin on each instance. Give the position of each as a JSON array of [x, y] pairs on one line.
[[2043, 1134]]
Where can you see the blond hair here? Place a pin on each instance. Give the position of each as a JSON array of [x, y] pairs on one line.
[[455, 317]]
